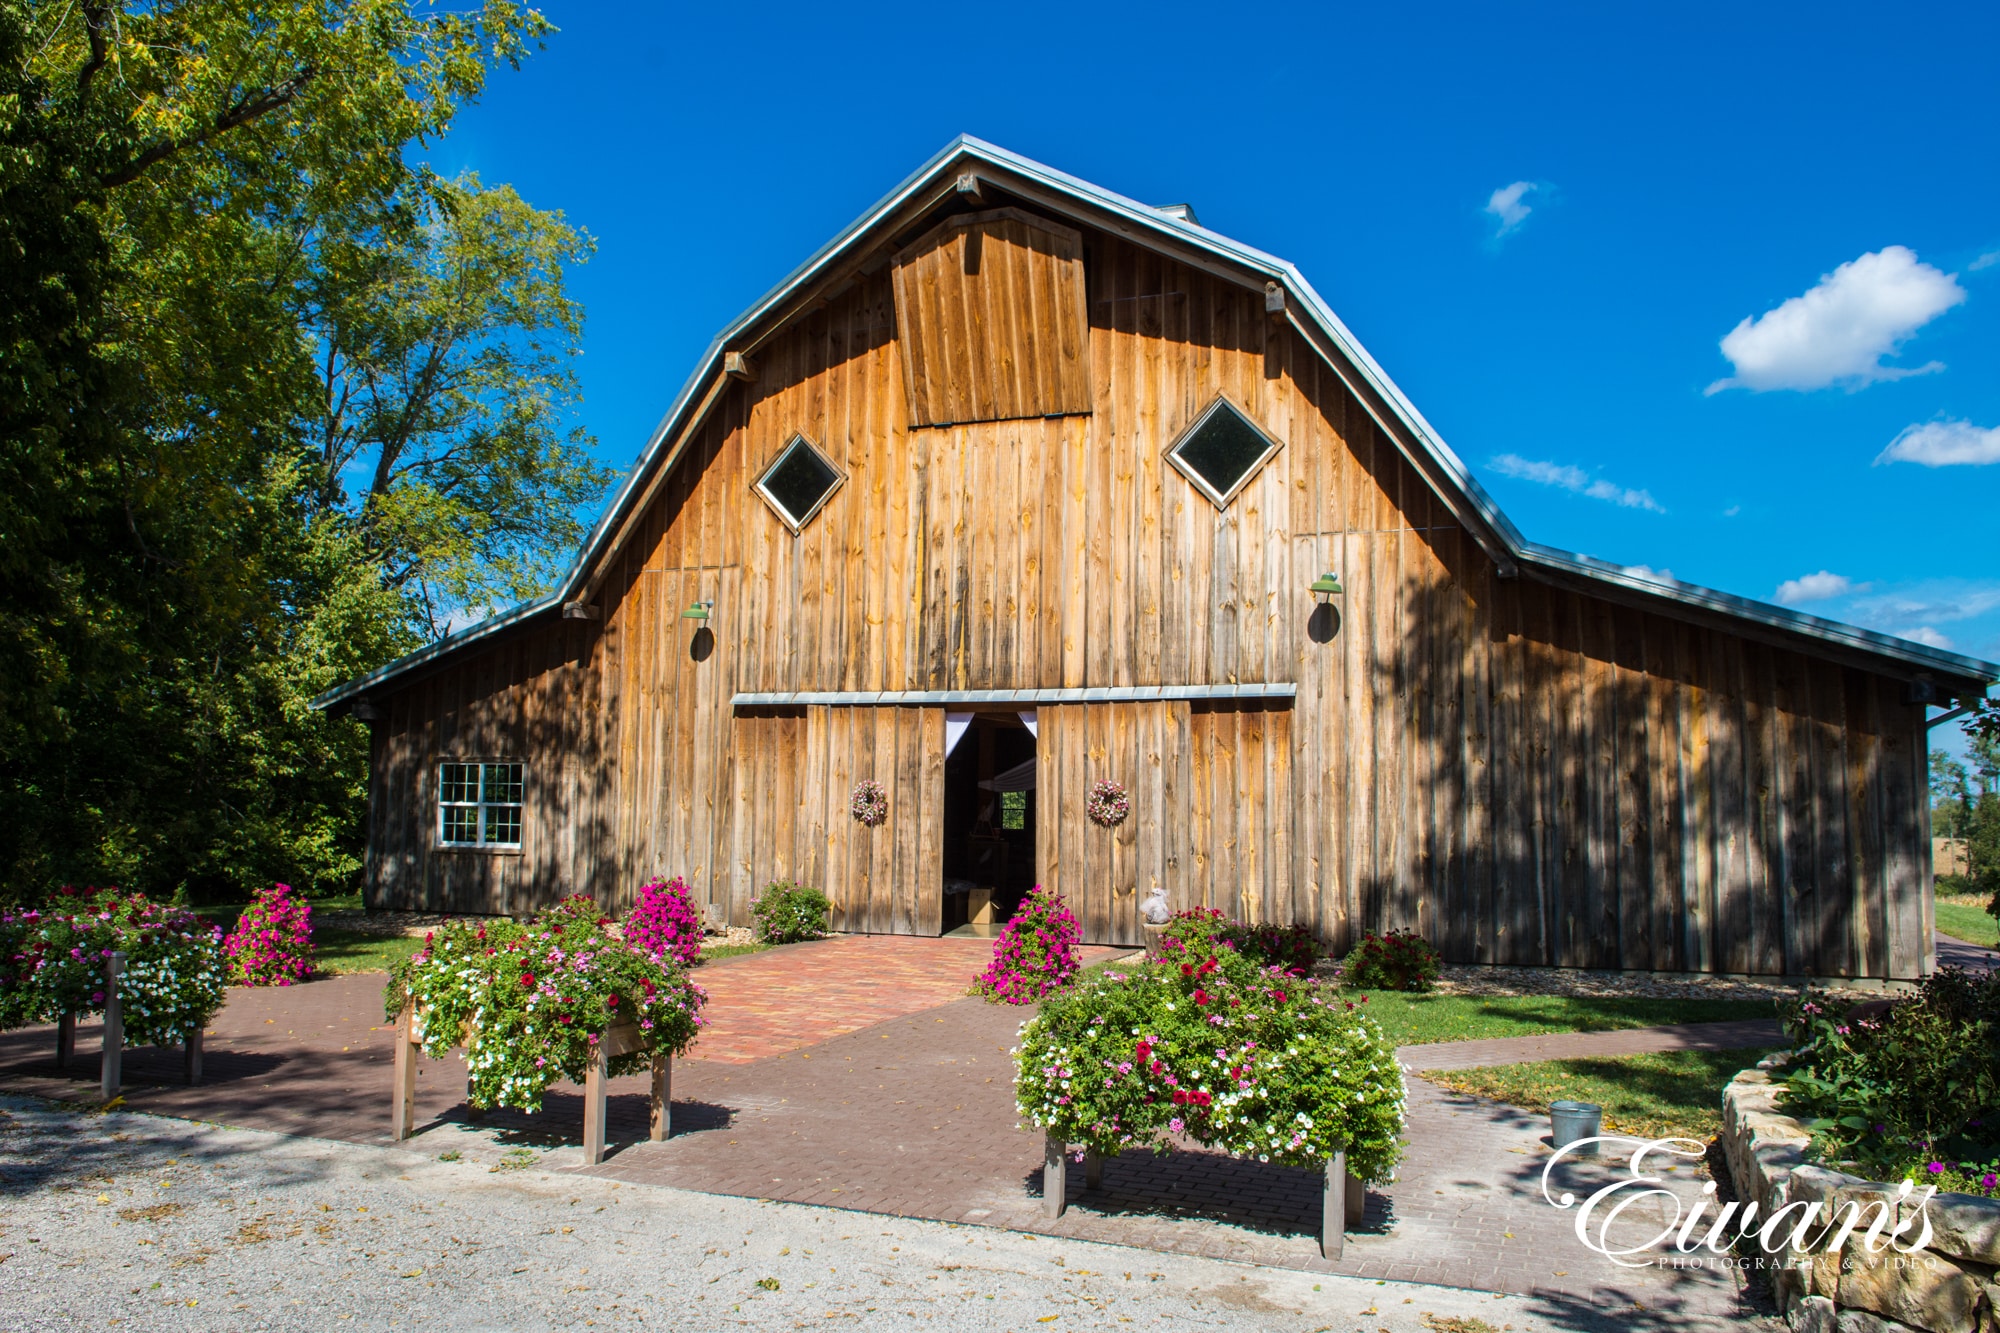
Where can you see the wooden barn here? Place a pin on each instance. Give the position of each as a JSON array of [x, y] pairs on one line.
[[1019, 487]]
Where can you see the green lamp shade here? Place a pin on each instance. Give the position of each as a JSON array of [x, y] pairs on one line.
[[699, 611], [1328, 582]]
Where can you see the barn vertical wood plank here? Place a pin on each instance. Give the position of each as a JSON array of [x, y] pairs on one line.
[[1634, 844], [1833, 851], [1122, 764], [1905, 844], [1726, 768], [1667, 891], [1868, 910], [1762, 742]]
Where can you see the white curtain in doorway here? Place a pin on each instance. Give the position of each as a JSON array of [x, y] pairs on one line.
[[1028, 721], [955, 725]]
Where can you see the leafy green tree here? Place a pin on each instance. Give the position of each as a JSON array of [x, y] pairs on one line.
[[445, 356], [197, 200], [1950, 797]]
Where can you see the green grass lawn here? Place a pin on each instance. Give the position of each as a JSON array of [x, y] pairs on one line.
[[338, 952], [1415, 1019], [1966, 918], [1666, 1094], [712, 953]]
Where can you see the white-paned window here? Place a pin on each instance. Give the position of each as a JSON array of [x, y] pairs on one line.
[[479, 805]]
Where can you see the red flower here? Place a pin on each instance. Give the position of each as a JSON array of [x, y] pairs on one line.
[[1201, 996], [528, 979]]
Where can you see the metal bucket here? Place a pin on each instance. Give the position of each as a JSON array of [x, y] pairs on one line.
[[1570, 1121]]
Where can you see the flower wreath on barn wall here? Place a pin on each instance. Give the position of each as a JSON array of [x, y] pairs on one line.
[[1107, 804], [869, 804]]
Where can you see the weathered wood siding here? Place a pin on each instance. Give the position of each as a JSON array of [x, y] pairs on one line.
[[993, 325], [1525, 774]]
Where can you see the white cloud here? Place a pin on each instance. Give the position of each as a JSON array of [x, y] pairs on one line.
[[1506, 208], [1839, 331], [1648, 572], [1732, 511], [1987, 260], [1814, 588], [1924, 634], [1564, 477], [1942, 443], [1907, 612]]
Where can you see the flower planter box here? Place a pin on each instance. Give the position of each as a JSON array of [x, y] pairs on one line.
[[1342, 1196], [111, 1073], [619, 1039]]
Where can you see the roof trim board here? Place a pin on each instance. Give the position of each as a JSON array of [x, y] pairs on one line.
[[1087, 694], [1414, 436]]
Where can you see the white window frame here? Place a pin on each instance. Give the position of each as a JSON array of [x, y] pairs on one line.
[[1222, 403], [481, 805]]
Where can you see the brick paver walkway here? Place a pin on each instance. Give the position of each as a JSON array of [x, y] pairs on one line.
[[767, 1004], [913, 1114]]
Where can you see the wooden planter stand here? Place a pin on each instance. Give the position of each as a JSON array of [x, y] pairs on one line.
[[1342, 1196], [111, 1078], [620, 1039]]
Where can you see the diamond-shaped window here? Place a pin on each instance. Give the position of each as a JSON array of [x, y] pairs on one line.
[[798, 482], [1221, 451]]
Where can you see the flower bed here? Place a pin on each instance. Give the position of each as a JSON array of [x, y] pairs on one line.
[[1195, 935], [1035, 955], [1250, 1060], [1902, 1091], [532, 1003], [664, 921], [272, 942], [52, 965]]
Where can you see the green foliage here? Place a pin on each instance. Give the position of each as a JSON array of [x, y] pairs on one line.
[[1194, 936], [218, 227], [529, 1002], [788, 912], [1896, 1090], [1250, 1060], [1401, 960]]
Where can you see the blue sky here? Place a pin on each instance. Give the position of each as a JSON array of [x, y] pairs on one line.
[[1544, 222]]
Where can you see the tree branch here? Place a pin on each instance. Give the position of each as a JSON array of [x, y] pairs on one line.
[[249, 108], [96, 18]]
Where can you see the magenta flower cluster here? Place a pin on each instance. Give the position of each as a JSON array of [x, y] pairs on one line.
[[1036, 955], [272, 942], [665, 922]]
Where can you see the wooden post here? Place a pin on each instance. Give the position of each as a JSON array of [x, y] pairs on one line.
[[191, 1058], [1093, 1171], [1357, 1202], [403, 1108], [663, 1096], [593, 1108], [1333, 1206], [65, 1040], [114, 1027], [1055, 1172]]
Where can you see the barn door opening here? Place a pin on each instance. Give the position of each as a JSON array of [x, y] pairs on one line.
[[989, 820]]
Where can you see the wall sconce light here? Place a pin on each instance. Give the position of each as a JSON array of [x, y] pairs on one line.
[[699, 611], [1327, 584]]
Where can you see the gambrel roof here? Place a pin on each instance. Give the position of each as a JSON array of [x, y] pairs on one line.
[[971, 165]]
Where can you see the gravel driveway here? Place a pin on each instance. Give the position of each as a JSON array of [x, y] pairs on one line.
[[130, 1221]]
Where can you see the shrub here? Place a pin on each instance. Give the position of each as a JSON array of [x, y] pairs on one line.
[[1292, 948], [787, 912], [665, 921], [1035, 955], [1399, 960], [1250, 1060], [52, 963], [272, 942], [1913, 1092], [528, 1001], [1194, 936]]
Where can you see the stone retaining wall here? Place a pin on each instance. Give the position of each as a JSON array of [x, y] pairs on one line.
[[1949, 1287]]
